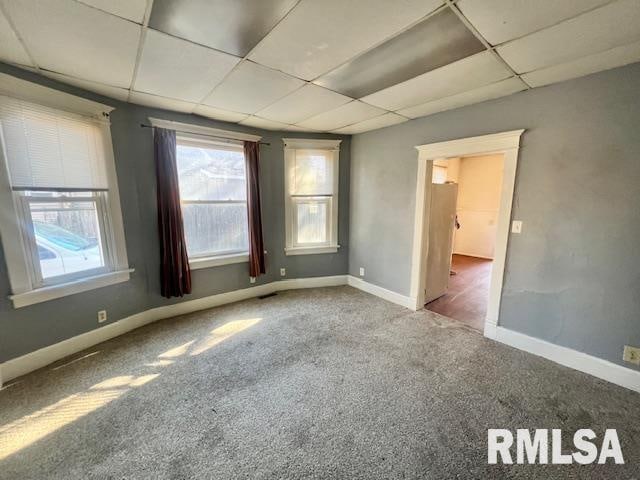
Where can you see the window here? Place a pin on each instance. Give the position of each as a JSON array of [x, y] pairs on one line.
[[311, 196], [213, 194], [64, 233], [68, 234], [439, 174]]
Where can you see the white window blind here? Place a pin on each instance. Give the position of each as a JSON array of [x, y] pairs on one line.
[[51, 149], [313, 172], [311, 196]]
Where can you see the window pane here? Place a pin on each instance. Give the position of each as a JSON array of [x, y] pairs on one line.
[[439, 174], [313, 173], [211, 174], [215, 228], [67, 237], [312, 222]]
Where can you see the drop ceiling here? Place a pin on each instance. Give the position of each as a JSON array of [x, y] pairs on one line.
[[307, 65]]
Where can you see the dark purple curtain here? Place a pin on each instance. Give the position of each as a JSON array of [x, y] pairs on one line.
[[175, 275], [256, 246]]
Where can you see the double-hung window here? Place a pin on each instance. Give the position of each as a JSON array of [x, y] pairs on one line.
[[213, 194], [311, 196], [62, 224]]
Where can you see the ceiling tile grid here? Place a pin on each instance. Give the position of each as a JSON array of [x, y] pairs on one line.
[[302, 104], [385, 120], [465, 74], [501, 20], [11, 49], [252, 87], [347, 114], [317, 37], [601, 29], [74, 39], [175, 68], [308, 65], [469, 97], [133, 10]]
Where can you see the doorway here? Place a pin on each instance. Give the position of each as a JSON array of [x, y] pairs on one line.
[[505, 144], [465, 193]]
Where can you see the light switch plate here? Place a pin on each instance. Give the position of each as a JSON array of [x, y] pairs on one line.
[[516, 226]]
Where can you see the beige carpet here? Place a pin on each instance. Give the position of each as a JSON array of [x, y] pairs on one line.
[[322, 383]]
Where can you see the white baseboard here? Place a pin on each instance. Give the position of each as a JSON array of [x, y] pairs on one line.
[[19, 366], [625, 377], [490, 330], [597, 367], [388, 295]]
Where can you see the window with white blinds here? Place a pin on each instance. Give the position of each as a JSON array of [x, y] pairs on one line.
[[311, 196], [67, 226], [52, 149]]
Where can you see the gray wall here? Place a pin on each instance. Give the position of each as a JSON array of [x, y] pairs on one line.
[[26, 329], [573, 275]]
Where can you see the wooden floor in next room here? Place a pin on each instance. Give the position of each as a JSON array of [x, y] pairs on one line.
[[467, 295]]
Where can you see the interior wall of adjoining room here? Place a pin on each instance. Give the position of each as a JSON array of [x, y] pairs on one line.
[[446, 170], [570, 276], [479, 186], [26, 329]]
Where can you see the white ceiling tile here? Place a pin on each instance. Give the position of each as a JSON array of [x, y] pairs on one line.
[[11, 50], [175, 68], [219, 114], [155, 101], [251, 87], [613, 58], [71, 38], [488, 92], [466, 74], [385, 120], [502, 20], [121, 94], [258, 122], [347, 114], [130, 9], [302, 104], [317, 36], [295, 128], [615, 24]]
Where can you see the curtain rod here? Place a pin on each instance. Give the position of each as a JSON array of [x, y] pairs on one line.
[[144, 125]]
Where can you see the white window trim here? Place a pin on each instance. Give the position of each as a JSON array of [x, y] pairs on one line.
[[63, 289], [218, 260], [11, 230], [290, 147]]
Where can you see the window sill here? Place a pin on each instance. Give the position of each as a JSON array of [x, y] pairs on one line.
[[311, 250], [62, 290], [206, 262]]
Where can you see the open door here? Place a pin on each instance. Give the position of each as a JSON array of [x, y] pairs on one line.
[[442, 219]]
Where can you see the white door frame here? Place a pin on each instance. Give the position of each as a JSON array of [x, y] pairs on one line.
[[505, 143]]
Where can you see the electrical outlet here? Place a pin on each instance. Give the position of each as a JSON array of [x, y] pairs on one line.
[[631, 354], [252, 279], [516, 226], [283, 272], [362, 271], [102, 316]]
